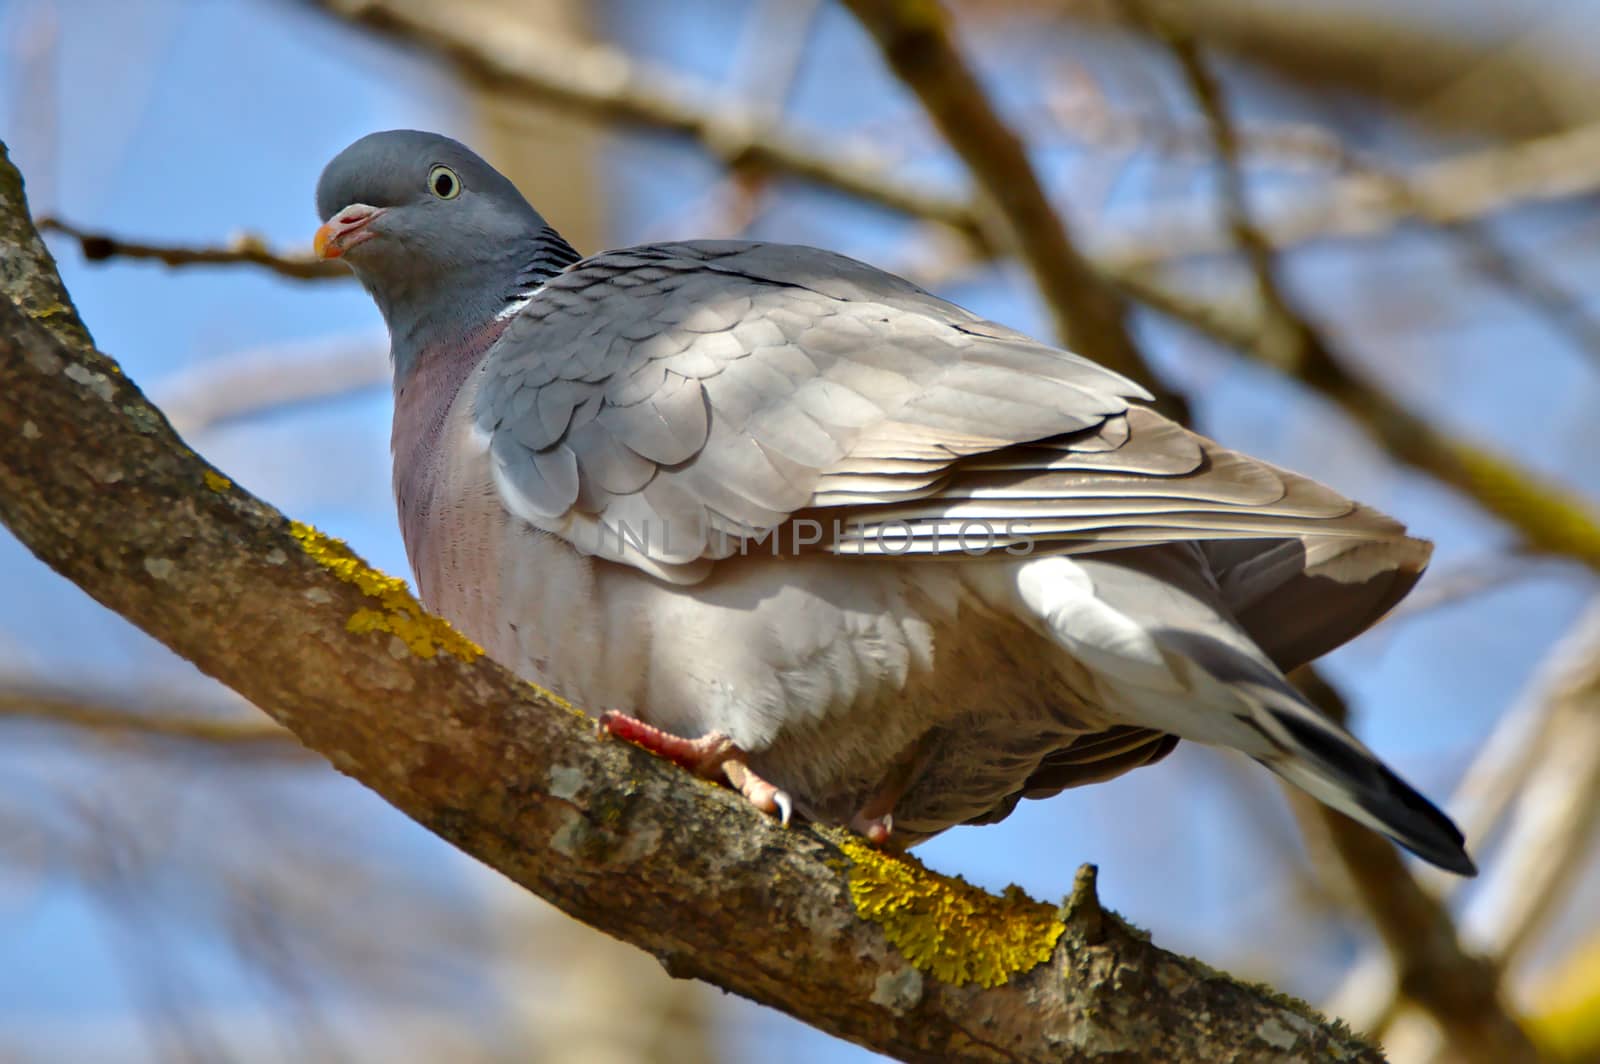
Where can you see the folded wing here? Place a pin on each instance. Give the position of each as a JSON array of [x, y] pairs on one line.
[[670, 405]]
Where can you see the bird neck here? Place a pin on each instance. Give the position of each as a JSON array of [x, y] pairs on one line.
[[425, 317]]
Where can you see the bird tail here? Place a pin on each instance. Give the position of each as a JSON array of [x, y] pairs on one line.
[[1333, 767]]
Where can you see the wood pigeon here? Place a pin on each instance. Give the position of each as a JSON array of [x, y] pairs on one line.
[[805, 527]]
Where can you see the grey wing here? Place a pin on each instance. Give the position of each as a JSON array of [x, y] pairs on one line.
[[665, 405]]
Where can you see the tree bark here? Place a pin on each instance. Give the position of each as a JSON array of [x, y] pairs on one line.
[[863, 944]]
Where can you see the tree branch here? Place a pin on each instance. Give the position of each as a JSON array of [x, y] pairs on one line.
[[251, 382], [1452, 191], [1432, 71], [154, 716], [246, 249], [864, 944], [1090, 315]]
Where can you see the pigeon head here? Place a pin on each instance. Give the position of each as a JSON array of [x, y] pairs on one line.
[[407, 200], [441, 239]]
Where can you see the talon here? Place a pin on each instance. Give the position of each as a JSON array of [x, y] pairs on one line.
[[712, 756], [877, 829]]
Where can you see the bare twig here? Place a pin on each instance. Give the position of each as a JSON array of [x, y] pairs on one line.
[[1549, 517], [1521, 276], [1553, 823], [776, 38], [1441, 72], [249, 250], [97, 712], [1287, 335], [1090, 316], [1460, 189]]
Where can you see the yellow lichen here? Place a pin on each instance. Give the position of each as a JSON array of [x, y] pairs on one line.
[[947, 927], [547, 695], [216, 481], [397, 612], [50, 310]]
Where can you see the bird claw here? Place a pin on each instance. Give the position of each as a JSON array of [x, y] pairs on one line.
[[757, 791], [712, 757], [877, 829]]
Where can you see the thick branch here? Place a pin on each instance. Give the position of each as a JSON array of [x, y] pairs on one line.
[[862, 944]]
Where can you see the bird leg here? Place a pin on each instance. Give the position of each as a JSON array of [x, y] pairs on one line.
[[713, 756], [875, 818]]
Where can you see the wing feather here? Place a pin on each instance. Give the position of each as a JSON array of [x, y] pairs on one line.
[[718, 389]]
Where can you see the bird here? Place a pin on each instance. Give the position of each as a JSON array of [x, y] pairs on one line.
[[811, 531]]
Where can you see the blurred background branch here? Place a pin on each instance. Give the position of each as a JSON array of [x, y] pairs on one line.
[[1089, 315]]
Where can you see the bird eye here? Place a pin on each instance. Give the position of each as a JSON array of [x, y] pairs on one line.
[[443, 182]]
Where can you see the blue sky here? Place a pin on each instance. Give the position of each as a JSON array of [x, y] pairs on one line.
[[205, 118]]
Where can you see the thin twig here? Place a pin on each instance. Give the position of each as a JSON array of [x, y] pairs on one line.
[[1288, 335], [246, 249], [1090, 316], [1463, 188], [94, 711], [1553, 823], [1526, 279], [776, 38]]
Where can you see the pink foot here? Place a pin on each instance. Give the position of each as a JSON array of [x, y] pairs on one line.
[[711, 757], [877, 829]]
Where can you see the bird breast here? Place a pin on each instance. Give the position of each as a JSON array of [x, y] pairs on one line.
[[824, 669]]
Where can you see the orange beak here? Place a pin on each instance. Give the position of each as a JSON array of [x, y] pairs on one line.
[[345, 230]]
